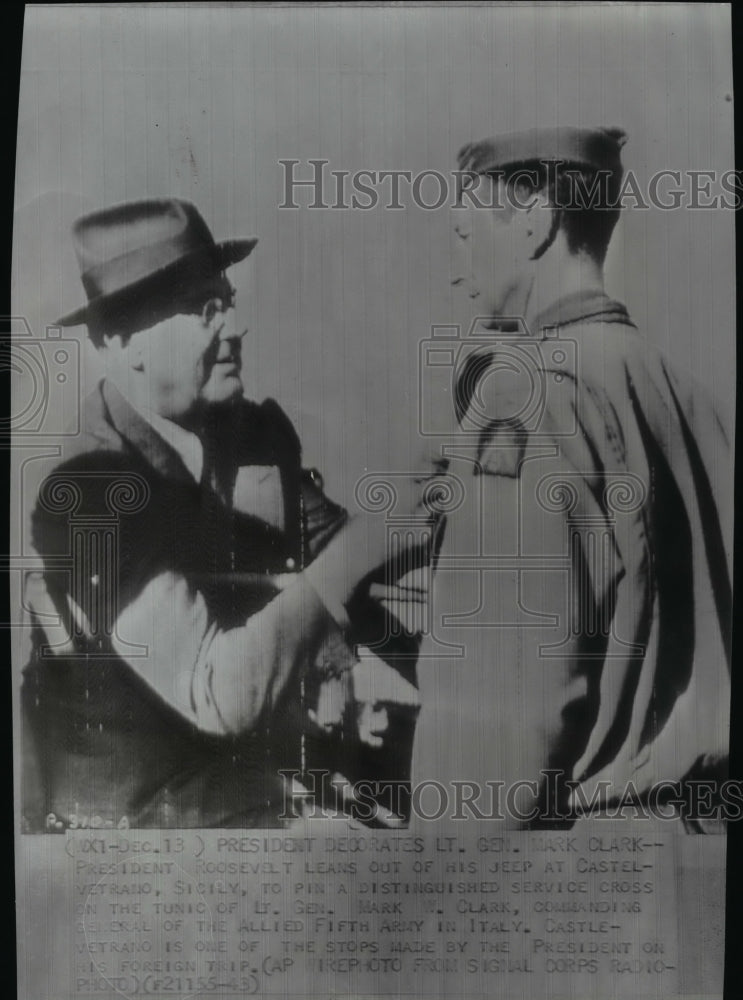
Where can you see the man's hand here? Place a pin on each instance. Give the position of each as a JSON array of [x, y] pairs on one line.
[[399, 536], [376, 687], [370, 688]]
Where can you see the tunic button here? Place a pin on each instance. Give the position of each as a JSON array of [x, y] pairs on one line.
[[290, 564]]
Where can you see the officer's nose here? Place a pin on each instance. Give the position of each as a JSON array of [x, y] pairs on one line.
[[460, 265], [461, 223]]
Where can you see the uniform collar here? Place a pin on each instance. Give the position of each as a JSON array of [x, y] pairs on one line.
[[579, 307]]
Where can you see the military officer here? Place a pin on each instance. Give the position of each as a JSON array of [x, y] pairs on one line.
[[581, 607]]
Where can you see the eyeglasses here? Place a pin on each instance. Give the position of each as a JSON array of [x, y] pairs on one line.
[[207, 306]]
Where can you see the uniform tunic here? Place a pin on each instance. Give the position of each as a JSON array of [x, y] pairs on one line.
[[581, 604]]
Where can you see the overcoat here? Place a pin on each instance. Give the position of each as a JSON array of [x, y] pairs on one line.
[[129, 538]]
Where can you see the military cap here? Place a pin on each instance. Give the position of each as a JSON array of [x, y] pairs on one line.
[[597, 148]]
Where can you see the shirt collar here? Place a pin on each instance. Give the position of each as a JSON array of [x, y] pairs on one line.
[[578, 307]]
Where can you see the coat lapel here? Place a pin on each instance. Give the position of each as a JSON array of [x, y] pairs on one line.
[[135, 430]]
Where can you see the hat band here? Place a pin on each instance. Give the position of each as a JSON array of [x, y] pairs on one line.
[[128, 268]]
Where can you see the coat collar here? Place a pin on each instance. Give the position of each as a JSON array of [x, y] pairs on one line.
[[592, 305], [134, 429]]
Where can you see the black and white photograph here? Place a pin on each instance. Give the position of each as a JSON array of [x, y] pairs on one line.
[[371, 510]]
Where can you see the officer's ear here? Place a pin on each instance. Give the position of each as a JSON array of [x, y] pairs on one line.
[[542, 222]]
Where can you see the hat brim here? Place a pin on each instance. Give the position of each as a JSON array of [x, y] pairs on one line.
[[210, 260]]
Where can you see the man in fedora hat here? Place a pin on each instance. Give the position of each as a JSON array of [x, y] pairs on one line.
[[192, 633], [582, 605]]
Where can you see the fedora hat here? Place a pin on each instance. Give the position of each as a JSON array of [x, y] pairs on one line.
[[128, 251]]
